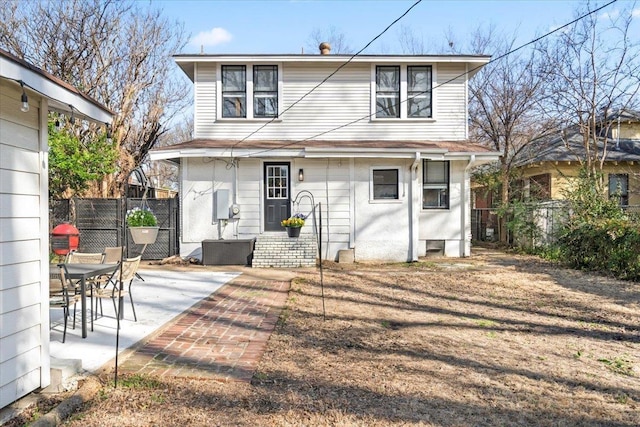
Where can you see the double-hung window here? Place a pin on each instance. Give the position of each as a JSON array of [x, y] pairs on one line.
[[387, 91], [419, 91], [619, 188], [265, 91], [435, 184], [234, 91], [403, 92], [249, 91]]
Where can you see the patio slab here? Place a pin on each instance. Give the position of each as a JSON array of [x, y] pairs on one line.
[[162, 296]]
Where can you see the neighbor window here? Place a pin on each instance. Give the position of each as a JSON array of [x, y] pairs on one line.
[[265, 91], [419, 91], [385, 184], [234, 91], [619, 188], [540, 187], [387, 91], [435, 184]]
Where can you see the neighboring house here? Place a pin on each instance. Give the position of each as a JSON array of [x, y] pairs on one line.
[[546, 167], [548, 164], [24, 213], [381, 144]]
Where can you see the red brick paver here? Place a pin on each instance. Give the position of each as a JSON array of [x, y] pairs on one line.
[[222, 337]]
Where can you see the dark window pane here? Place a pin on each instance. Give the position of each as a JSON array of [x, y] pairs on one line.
[[388, 91], [234, 95], [385, 184], [419, 91]]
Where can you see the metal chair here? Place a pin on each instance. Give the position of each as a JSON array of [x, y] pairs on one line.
[[62, 295], [75, 257], [115, 287]]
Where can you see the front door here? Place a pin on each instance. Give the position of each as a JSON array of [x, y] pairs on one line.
[[277, 204]]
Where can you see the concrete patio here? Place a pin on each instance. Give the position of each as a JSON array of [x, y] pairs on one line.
[[158, 299]]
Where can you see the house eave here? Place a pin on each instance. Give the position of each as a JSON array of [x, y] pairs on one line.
[[186, 61], [62, 97]]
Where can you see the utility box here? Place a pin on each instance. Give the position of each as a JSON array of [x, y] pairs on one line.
[[221, 208], [227, 252]]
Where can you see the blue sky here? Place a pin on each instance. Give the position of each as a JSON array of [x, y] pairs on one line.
[[285, 26]]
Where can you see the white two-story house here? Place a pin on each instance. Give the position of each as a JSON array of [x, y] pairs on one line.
[[379, 141]]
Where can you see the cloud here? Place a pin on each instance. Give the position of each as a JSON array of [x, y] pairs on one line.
[[635, 13], [614, 14], [212, 37]]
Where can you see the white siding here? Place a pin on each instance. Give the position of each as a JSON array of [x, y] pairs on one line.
[[344, 98], [21, 242]]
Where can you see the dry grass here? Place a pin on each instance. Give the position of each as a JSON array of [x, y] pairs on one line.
[[491, 340]]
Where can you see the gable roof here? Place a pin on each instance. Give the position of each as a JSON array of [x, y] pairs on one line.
[[322, 148], [63, 96]]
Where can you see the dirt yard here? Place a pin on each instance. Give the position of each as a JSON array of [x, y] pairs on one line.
[[492, 340]]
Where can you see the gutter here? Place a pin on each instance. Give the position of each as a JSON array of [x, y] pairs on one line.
[[414, 209]]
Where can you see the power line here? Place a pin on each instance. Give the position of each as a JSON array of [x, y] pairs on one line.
[[328, 77], [438, 85]]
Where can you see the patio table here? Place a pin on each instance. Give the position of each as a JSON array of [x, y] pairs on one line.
[[82, 272]]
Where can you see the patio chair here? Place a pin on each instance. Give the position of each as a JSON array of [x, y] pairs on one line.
[[112, 289], [75, 257], [62, 295], [113, 255]]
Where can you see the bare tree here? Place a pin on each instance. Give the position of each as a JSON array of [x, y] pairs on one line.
[[334, 36], [593, 70], [118, 52], [504, 109]]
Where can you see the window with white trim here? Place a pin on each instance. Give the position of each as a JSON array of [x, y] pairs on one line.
[[419, 91], [234, 91], [387, 91], [249, 91], [403, 92], [435, 184], [265, 91], [385, 184]]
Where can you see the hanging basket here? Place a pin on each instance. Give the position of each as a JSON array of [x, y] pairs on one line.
[[144, 235], [293, 231]]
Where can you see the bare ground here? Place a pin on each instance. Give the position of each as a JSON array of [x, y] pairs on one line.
[[491, 340]]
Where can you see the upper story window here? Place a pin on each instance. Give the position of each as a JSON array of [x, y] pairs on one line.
[[419, 91], [234, 91], [403, 91], [249, 91], [265, 91], [435, 184], [387, 91], [619, 188]]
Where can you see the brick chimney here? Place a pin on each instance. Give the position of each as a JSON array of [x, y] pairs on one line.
[[325, 48]]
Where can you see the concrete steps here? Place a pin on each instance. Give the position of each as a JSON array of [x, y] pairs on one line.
[[280, 251]]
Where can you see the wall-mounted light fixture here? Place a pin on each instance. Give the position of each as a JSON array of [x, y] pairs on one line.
[[108, 129], [300, 175], [25, 101]]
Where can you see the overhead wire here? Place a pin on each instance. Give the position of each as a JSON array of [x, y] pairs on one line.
[[368, 116], [328, 77]]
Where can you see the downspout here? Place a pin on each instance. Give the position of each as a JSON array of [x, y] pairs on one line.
[[466, 235], [414, 219]]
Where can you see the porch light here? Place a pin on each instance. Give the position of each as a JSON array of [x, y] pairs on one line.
[[24, 99], [300, 175]]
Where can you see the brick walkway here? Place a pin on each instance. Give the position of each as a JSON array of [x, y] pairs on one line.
[[222, 337]]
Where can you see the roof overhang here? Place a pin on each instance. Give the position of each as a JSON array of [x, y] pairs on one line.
[[61, 96], [187, 61]]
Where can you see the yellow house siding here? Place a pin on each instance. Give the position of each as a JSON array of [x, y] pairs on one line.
[[562, 174]]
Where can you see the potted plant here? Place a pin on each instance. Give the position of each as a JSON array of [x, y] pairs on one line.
[[143, 225], [293, 224]]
